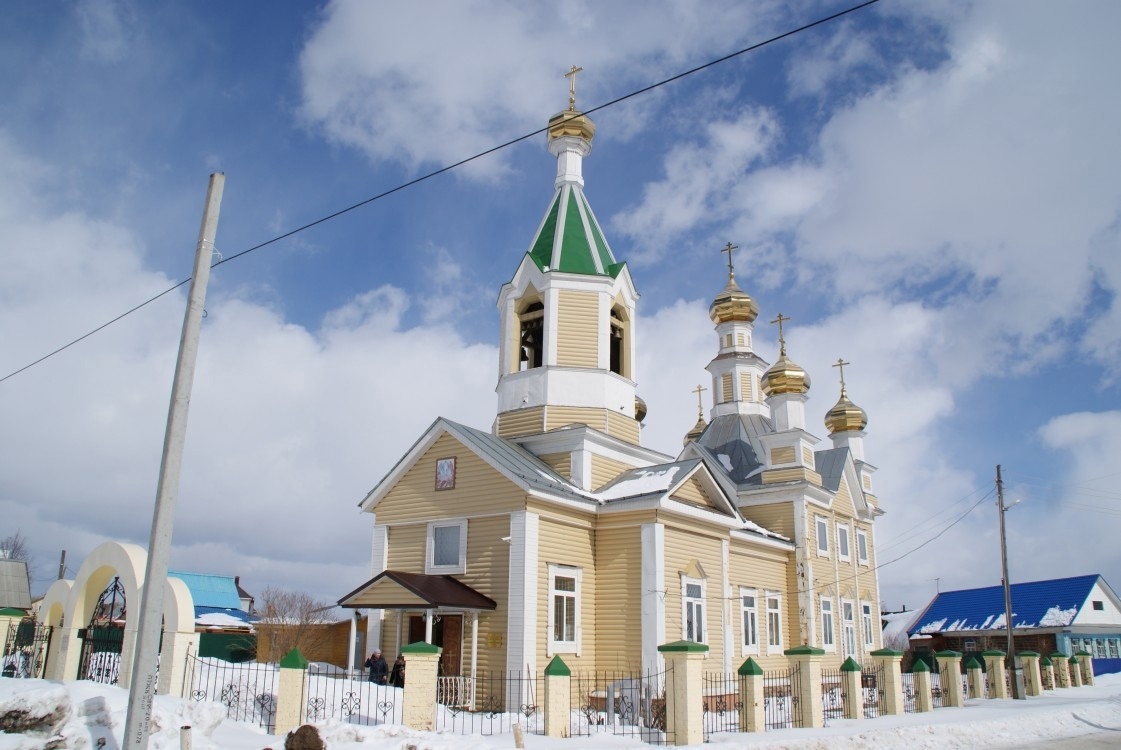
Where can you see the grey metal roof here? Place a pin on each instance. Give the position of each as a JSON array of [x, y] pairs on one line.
[[516, 460], [646, 480], [15, 587], [830, 465], [732, 441]]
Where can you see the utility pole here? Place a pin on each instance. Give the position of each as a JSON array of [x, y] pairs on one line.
[[142, 687], [62, 566], [1015, 675]]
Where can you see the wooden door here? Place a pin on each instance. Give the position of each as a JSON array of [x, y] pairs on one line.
[[451, 641]]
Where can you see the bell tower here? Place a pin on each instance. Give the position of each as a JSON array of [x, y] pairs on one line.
[[566, 354]]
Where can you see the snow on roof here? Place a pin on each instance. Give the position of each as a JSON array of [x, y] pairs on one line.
[[895, 631], [1035, 604], [220, 620], [645, 481]]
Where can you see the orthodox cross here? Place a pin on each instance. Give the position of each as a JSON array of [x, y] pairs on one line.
[[571, 75], [781, 341], [700, 406], [728, 249], [840, 365]]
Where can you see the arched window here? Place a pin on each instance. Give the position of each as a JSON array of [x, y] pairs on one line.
[[617, 341], [532, 336]]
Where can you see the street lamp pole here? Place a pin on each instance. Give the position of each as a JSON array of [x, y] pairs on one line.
[[1015, 676]]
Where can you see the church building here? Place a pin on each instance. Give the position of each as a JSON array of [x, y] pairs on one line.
[[555, 532]]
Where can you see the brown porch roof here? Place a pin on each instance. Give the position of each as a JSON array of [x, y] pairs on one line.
[[395, 589]]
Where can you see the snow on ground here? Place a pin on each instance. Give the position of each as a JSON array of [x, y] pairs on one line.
[[89, 712]]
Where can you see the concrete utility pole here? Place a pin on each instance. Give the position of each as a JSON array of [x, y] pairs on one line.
[[1015, 674], [142, 688]]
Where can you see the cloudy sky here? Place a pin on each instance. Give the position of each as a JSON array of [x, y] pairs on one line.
[[930, 190]]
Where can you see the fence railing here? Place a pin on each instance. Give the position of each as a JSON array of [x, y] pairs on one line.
[[489, 703], [781, 696], [910, 706], [351, 700], [26, 647], [873, 691], [833, 694], [722, 700], [247, 690], [622, 703]]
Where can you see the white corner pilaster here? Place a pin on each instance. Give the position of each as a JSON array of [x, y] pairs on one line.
[[653, 625], [521, 651]]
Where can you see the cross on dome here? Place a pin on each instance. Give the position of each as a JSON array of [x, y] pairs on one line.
[[781, 341], [840, 365], [731, 269], [700, 405], [571, 75]]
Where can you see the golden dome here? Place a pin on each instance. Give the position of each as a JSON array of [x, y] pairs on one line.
[[698, 430], [571, 122], [785, 377], [733, 304], [845, 416], [639, 409]]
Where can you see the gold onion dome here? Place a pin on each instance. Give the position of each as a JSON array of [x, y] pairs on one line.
[[571, 123], [733, 304], [845, 416], [785, 377], [698, 430]]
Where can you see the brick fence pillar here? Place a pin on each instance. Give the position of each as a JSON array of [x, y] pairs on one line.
[[1075, 672], [888, 661], [753, 717], [1062, 672], [419, 711], [851, 675], [975, 678], [808, 661], [924, 701], [996, 669], [291, 694], [1086, 664], [684, 704], [949, 673], [558, 698], [1033, 681]]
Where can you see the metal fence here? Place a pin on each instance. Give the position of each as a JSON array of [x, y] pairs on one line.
[[26, 647], [489, 703], [723, 701], [781, 696], [909, 705], [247, 690], [622, 703], [872, 691], [936, 682], [833, 694], [351, 699]]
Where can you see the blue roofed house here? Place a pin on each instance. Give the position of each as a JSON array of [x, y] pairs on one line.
[[226, 629], [1064, 614]]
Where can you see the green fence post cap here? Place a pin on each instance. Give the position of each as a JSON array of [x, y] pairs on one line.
[[920, 666], [850, 665], [557, 668], [750, 668], [293, 660], [683, 647], [886, 652], [972, 663], [420, 647], [804, 651]]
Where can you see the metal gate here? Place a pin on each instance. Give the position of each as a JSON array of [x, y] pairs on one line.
[[25, 649], [103, 638], [872, 689], [781, 698]]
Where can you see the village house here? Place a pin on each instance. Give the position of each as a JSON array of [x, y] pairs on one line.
[[556, 532]]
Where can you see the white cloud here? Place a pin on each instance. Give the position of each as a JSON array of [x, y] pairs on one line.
[[823, 66]]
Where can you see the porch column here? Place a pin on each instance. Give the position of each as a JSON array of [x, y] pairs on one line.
[[428, 626], [474, 644]]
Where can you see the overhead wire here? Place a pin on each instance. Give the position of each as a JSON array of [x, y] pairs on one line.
[[448, 168]]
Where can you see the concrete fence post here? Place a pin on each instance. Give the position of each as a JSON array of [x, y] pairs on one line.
[[808, 661], [975, 677], [558, 698], [291, 695], [1061, 666], [949, 677], [685, 702], [850, 686], [996, 670], [1086, 664], [1075, 671], [1047, 672], [753, 717], [419, 711], [924, 700], [1033, 682], [888, 661]]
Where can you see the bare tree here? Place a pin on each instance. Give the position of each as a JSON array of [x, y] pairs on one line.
[[15, 547], [288, 620]]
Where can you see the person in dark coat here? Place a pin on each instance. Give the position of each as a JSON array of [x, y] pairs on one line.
[[397, 676], [379, 670]]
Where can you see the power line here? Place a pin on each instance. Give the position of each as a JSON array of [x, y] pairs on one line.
[[450, 167]]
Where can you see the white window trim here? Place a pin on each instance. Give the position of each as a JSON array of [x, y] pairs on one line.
[[828, 634], [869, 631], [685, 581], [773, 648], [843, 532], [430, 548], [862, 546], [856, 638], [749, 648], [820, 522], [563, 647]]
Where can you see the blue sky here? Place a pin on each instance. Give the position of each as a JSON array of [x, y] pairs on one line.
[[930, 190]]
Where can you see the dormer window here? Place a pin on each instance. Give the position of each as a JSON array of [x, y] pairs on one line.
[[532, 337]]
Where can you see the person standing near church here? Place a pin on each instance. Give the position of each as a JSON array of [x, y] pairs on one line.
[[379, 670], [397, 676]]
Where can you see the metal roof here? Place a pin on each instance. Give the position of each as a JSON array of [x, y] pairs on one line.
[[15, 586], [830, 465], [1036, 604], [732, 441], [406, 590], [210, 590]]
